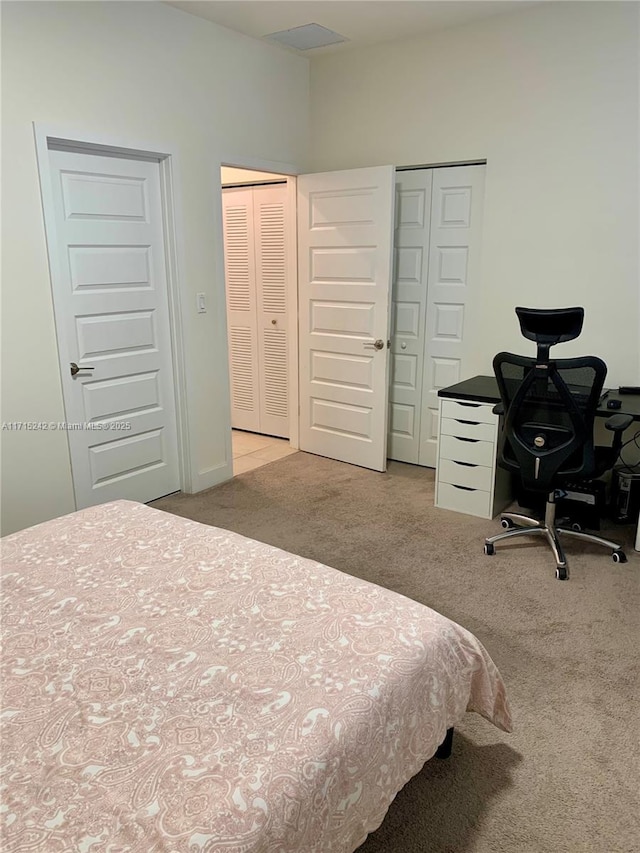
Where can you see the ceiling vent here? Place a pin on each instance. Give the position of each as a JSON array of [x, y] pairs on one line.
[[307, 37]]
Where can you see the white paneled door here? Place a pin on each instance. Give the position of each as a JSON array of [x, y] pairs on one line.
[[345, 241], [106, 245], [413, 217], [437, 249], [457, 203]]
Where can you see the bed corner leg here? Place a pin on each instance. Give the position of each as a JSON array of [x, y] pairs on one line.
[[444, 750]]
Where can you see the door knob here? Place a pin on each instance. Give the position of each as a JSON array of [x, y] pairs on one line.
[[379, 344], [75, 369]]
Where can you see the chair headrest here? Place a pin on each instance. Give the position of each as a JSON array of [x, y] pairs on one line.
[[550, 325]]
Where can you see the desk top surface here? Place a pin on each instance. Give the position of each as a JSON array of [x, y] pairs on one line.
[[484, 389]]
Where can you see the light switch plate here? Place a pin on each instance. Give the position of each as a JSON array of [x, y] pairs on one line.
[[202, 303]]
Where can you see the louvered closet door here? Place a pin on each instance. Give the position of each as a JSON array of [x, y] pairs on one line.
[[255, 227], [240, 273], [270, 224]]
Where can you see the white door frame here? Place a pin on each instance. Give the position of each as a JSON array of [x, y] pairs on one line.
[[290, 171], [46, 136]]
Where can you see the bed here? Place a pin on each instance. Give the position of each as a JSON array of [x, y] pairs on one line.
[[172, 687]]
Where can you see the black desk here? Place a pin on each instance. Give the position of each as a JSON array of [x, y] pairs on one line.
[[484, 389]]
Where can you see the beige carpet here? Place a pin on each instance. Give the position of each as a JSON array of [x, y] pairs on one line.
[[568, 778]]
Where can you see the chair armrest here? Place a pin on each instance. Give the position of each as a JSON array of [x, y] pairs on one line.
[[618, 423], [498, 409]]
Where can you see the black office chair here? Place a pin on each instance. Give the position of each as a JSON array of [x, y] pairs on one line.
[[546, 435]]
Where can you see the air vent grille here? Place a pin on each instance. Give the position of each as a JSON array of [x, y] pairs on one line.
[[306, 37]]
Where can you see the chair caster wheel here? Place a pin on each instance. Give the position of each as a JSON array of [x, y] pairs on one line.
[[618, 556], [561, 573], [489, 549], [506, 524]]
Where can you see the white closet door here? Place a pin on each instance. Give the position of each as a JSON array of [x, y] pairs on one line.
[[456, 233], [270, 226], [240, 275], [345, 241], [413, 215]]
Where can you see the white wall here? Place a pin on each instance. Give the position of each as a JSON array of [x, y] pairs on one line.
[[144, 72], [230, 175], [549, 95]]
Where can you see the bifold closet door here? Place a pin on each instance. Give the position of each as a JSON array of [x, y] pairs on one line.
[[240, 276], [255, 222], [409, 306], [437, 250], [457, 204], [270, 226]]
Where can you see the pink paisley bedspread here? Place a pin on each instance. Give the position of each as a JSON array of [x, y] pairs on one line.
[[170, 686]]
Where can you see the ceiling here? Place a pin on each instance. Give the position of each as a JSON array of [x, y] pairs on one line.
[[363, 22]]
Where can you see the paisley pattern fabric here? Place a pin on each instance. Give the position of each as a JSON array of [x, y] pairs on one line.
[[170, 687]]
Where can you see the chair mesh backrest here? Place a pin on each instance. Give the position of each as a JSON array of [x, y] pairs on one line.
[[549, 413]]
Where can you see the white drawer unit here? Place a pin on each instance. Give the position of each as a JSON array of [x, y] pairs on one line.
[[467, 411], [476, 430], [461, 449], [463, 499], [467, 476]]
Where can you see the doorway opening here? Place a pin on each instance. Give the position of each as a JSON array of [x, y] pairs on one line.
[[260, 284]]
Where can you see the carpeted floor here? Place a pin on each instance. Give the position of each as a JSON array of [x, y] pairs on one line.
[[568, 778]]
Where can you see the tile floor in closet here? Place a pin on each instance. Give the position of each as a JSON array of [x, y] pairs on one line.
[[251, 450]]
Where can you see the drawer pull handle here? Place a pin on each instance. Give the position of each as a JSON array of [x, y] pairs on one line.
[[464, 488], [462, 438], [466, 464], [471, 405], [470, 423]]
